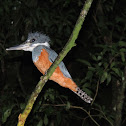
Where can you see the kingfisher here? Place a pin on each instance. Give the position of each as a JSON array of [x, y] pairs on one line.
[[43, 57]]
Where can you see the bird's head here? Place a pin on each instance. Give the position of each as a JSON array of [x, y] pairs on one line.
[[34, 39]]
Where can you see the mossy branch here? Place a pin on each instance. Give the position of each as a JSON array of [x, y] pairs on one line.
[[71, 43]]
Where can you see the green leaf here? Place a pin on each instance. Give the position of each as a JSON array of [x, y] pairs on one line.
[[45, 120], [104, 77], [22, 106], [94, 57], [122, 50], [68, 105], [122, 43], [99, 57], [112, 64], [117, 71], [51, 97], [100, 63], [86, 85], [105, 65], [40, 123], [89, 75], [93, 69], [84, 61], [99, 71], [6, 115], [88, 91], [122, 56], [108, 78], [123, 78]]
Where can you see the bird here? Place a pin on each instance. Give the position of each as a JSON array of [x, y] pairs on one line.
[[43, 57]]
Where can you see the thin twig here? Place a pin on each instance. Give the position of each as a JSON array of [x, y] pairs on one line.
[[75, 107], [96, 92], [103, 115]]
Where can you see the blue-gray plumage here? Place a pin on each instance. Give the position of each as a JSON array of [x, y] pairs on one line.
[[41, 38], [52, 56]]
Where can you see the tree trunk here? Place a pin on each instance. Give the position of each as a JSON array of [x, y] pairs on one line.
[[118, 99]]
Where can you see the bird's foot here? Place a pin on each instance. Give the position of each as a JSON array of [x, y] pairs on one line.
[[45, 73], [41, 77]]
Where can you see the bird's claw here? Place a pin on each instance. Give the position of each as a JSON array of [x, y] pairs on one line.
[[45, 73]]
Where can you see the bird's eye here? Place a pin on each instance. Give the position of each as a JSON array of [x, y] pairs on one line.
[[33, 40]]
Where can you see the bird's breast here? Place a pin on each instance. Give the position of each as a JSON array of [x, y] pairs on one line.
[[43, 58], [41, 61]]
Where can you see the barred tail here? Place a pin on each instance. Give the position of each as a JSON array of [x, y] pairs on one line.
[[83, 95]]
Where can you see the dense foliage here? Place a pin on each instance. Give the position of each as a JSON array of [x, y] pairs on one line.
[[97, 63]]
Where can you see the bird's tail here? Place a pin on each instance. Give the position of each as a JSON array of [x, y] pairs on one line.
[[83, 95]]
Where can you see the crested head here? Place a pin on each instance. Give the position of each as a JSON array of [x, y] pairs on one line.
[[34, 39], [38, 37]]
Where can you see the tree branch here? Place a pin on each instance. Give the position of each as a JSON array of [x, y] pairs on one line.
[[71, 43], [120, 100]]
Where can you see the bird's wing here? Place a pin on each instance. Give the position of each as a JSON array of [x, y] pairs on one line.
[[52, 56]]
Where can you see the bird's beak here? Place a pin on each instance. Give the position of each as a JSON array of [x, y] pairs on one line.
[[23, 46]]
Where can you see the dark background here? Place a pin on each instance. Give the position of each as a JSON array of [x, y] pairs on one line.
[[97, 62]]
